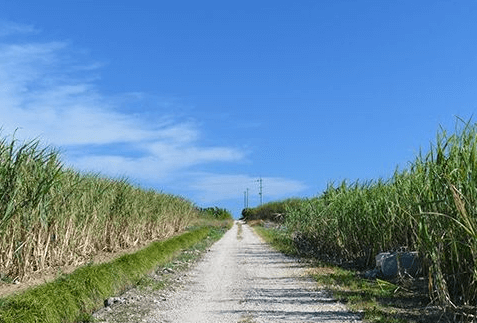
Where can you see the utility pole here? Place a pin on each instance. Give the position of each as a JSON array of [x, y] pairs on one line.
[[245, 199], [260, 193]]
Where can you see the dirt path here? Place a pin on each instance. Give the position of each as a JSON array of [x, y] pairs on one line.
[[242, 280]]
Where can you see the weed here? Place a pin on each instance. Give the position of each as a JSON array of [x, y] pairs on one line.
[[52, 216], [239, 231], [375, 299], [86, 288], [246, 319], [429, 207]]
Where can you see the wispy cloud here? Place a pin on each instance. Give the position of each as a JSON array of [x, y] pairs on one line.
[[215, 187], [48, 94], [160, 160], [8, 28]]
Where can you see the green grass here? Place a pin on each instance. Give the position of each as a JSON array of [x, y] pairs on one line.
[[76, 295], [273, 211], [52, 216], [185, 257], [369, 297], [360, 295], [277, 239], [428, 207]]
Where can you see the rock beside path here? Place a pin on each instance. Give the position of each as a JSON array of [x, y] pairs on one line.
[[391, 265]]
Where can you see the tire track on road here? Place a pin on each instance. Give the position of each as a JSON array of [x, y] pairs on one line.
[[242, 280]]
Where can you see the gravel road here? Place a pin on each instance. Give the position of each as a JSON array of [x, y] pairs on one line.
[[242, 280]]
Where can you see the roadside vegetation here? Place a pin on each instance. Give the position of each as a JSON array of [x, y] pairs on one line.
[[272, 211], [73, 297], [378, 300], [429, 207], [52, 217]]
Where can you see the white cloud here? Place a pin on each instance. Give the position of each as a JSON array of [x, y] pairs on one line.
[[10, 28], [47, 94], [161, 162], [211, 188]]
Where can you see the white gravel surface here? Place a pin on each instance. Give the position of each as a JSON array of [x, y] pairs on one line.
[[242, 280]]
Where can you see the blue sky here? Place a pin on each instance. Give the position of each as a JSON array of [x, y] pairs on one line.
[[201, 98]]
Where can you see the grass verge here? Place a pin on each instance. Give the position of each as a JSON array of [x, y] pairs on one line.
[[71, 298], [428, 207], [377, 300], [183, 260], [137, 303]]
